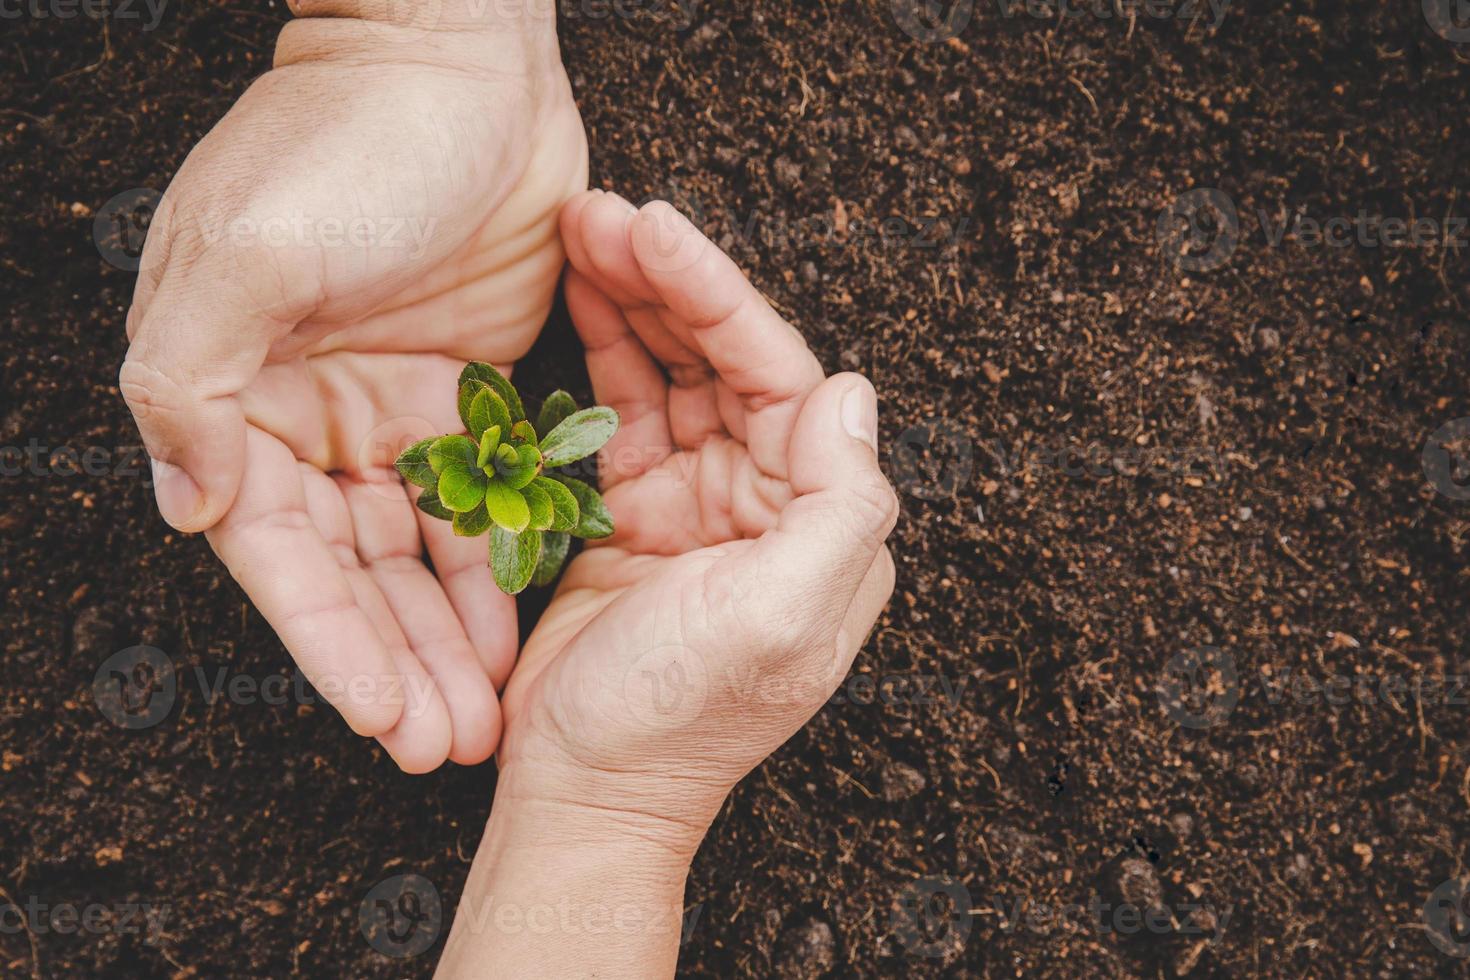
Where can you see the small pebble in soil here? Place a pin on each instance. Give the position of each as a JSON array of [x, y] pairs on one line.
[[1138, 884], [728, 157], [810, 950], [901, 781], [788, 174], [1267, 340], [92, 633]]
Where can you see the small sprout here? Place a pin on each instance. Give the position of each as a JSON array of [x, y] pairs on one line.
[[501, 477]]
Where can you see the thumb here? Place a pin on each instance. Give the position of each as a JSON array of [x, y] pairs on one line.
[[193, 350], [828, 538]]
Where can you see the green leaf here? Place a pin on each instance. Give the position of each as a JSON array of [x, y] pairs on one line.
[[467, 392], [524, 433], [558, 405], [542, 511], [594, 521], [472, 524], [554, 548], [563, 502], [462, 486], [507, 507], [527, 465], [579, 435], [489, 442], [430, 504], [413, 465], [480, 371], [451, 449], [513, 558], [487, 409]]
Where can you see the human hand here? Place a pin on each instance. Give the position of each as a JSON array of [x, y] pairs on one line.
[[748, 563], [376, 210], [746, 570]]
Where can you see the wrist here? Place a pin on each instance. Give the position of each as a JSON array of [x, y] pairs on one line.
[[504, 35], [561, 889], [436, 15], [560, 806]]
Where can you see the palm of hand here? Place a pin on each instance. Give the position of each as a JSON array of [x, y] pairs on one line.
[[455, 179], [709, 382]]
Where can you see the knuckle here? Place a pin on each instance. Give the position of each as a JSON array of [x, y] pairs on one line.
[[875, 506], [148, 392]]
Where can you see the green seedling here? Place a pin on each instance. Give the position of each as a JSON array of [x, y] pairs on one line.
[[501, 476]]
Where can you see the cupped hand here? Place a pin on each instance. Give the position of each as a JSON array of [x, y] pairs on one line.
[[376, 210], [748, 562]]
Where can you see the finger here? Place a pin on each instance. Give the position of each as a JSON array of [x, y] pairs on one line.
[[199, 340], [420, 741], [389, 548], [605, 256], [596, 229], [272, 548], [819, 553], [625, 378], [758, 355], [487, 614]]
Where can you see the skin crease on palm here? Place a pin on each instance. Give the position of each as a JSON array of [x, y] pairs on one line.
[[284, 378]]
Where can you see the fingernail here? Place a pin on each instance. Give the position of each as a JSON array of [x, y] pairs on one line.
[[179, 498], [860, 413]]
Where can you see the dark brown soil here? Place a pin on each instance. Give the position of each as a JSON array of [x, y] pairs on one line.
[[1284, 519]]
